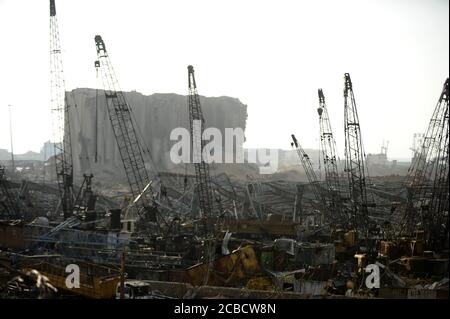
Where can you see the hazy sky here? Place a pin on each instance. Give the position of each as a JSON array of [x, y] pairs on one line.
[[272, 55]]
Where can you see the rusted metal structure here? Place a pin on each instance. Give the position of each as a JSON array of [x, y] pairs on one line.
[[95, 281], [427, 179]]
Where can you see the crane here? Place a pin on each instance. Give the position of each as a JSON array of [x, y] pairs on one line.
[[60, 119], [124, 129], [355, 160], [427, 178], [197, 125], [330, 160], [203, 180], [310, 174]]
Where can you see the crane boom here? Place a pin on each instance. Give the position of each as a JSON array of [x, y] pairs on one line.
[[355, 159], [329, 157], [310, 174], [124, 129], [60, 119], [427, 179], [197, 124]]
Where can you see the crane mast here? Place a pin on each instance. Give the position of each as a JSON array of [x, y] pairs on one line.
[[427, 179], [197, 125], [123, 127], [355, 159], [60, 119], [310, 174], [330, 161]]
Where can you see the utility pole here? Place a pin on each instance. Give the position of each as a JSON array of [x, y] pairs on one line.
[[11, 137]]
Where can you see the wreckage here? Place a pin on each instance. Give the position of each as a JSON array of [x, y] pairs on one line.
[[198, 234]]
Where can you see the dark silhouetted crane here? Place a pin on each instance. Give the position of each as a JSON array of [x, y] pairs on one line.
[[310, 174], [427, 179], [330, 160], [197, 124], [60, 115], [124, 129], [355, 160]]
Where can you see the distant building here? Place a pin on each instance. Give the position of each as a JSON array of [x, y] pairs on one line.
[[47, 150], [4, 154], [377, 159]]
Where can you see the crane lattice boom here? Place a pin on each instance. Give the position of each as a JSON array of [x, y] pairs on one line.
[[204, 190], [310, 174], [355, 159], [60, 119], [330, 160], [427, 179], [122, 123]]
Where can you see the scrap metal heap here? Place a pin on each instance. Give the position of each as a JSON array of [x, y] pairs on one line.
[[200, 236], [270, 237], [427, 180]]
